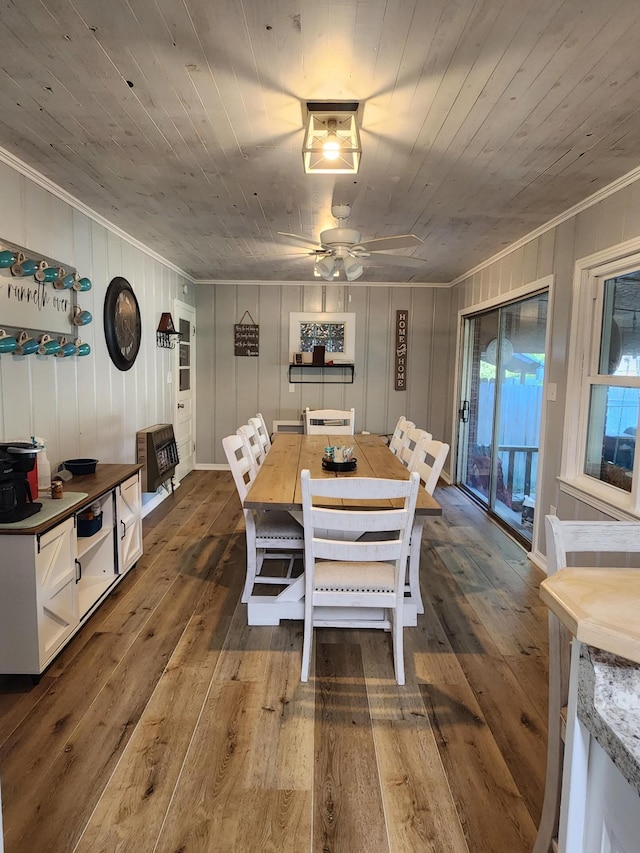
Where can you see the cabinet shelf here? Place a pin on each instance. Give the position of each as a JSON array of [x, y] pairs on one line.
[[86, 543], [325, 374]]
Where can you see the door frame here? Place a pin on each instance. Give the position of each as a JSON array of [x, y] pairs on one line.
[[516, 295], [185, 308]]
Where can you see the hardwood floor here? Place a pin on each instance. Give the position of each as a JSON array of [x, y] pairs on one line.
[[170, 725]]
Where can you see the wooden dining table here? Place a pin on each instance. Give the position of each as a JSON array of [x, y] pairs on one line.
[[277, 486]]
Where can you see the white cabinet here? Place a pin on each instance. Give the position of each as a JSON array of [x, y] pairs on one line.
[[51, 579], [129, 504], [38, 601]]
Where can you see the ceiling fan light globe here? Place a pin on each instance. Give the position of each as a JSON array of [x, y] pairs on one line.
[[353, 268], [325, 267]]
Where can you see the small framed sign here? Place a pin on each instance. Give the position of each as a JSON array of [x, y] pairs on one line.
[[246, 337], [402, 339]]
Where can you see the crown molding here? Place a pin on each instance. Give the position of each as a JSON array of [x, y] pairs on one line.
[[38, 178], [612, 188], [41, 180]]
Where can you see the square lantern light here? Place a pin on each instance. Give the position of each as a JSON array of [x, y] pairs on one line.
[[332, 139]]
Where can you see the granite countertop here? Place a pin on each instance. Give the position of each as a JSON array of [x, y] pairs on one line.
[[609, 707]]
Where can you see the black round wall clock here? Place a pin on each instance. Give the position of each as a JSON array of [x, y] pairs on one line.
[[122, 323]]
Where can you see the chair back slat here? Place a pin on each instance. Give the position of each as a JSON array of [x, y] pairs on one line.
[[397, 438], [329, 421], [263, 433], [252, 439], [241, 462], [413, 440], [428, 461]]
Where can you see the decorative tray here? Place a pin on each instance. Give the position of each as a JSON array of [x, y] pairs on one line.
[[330, 465]]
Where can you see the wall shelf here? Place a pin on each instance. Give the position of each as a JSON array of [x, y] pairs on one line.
[[315, 374]]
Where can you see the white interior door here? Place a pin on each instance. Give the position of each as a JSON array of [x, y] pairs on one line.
[[184, 387]]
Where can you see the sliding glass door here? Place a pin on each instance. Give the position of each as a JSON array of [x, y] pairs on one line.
[[500, 409]]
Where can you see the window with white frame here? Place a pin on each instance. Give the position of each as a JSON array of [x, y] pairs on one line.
[[336, 332], [600, 458]]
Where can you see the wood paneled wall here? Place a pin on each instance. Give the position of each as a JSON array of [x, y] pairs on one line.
[[231, 389], [85, 407], [603, 225]]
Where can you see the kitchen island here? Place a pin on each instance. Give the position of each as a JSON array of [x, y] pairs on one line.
[[600, 806]]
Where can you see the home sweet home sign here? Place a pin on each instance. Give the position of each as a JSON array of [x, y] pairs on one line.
[[402, 338]]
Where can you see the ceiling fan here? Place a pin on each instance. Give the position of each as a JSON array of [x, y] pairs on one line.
[[345, 245]]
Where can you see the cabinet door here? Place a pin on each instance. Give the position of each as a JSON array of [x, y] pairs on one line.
[[56, 589], [612, 810], [129, 523]]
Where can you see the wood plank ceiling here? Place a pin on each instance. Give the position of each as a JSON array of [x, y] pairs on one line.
[[180, 121]]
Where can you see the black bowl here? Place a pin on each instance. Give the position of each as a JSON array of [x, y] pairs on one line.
[[81, 466], [330, 465]]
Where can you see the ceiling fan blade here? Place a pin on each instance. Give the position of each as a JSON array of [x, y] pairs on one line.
[[296, 238], [397, 260], [402, 241]]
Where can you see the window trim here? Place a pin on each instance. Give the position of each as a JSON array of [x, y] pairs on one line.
[[582, 367], [296, 318]]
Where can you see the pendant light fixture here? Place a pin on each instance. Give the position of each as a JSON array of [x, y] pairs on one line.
[[332, 138]]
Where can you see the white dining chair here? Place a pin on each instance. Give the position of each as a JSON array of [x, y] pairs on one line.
[[428, 462], [356, 574], [398, 433], [329, 421], [562, 538], [250, 436], [412, 441], [270, 534], [263, 432]]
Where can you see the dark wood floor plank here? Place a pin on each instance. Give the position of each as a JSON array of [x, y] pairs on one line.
[[421, 816], [168, 720], [206, 809], [81, 768], [132, 808], [489, 805], [282, 755], [274, 822], [348, 812], [518, 727]]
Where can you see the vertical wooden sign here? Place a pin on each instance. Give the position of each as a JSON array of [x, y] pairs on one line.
[[402, 338]]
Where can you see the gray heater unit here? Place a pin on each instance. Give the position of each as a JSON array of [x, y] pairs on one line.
[[157, 452]]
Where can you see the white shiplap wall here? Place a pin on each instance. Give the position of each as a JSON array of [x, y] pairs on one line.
[[85, 406], [230, 389]]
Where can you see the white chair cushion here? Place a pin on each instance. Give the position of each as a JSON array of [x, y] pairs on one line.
[[347, 577]]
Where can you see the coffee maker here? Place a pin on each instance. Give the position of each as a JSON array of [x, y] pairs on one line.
[[16, 501]]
